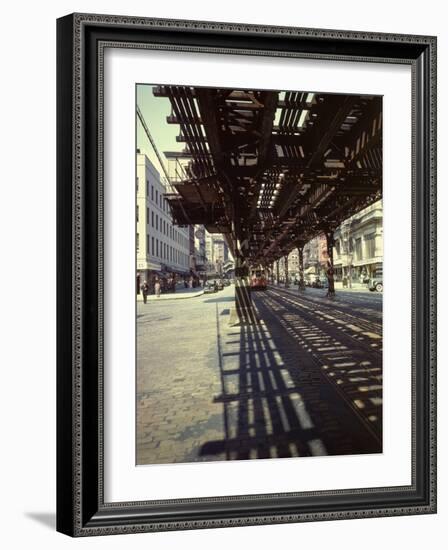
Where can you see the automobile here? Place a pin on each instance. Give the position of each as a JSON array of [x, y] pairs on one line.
[[317, 284], [376, 285], [210, 287], [226, 282], [220, 284]]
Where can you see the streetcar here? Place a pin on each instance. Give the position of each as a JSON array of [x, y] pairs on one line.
[[258, 279]]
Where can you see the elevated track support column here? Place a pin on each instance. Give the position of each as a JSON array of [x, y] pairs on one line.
[[243, 300], [301, 271], [329, 235], [286, 272], [278, 271]]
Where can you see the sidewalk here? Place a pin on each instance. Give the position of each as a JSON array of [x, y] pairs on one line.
[[179, 294], [356, 287]]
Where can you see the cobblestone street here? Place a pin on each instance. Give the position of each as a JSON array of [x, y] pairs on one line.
[[306, 380]]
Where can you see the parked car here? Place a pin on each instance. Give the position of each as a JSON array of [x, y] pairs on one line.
[[376, 284], [210, 287], [220, 284], [317, 284], [226, 282]]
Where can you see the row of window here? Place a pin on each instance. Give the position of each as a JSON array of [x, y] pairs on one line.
[[164, 227], [163, 251], [355, 247], [156, 197]]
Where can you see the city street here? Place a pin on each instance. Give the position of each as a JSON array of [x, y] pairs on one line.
[[306, 380]]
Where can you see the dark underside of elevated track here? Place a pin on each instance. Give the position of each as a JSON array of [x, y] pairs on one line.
[[272, 169]]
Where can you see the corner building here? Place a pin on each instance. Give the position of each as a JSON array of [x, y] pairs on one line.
[[162, 249]]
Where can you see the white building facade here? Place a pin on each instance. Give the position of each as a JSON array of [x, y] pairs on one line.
[[216, 251], [163, 249], [358, 250]]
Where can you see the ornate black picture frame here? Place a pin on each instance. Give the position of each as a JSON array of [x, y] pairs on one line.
[[81, 509]]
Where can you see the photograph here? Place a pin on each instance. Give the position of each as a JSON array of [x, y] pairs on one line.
[[246, 273], [259, 273]]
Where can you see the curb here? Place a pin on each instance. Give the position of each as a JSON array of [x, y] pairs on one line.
[[182, 296]]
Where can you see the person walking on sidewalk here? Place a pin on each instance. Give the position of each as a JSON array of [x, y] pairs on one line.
[[157, 288], [145, 291]]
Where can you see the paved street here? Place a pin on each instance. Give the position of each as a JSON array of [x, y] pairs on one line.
[[306, 380]]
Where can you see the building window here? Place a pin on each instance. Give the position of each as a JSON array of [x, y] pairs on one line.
[[152, 246], [147, 188], [157, 196], [157, 222], [358, 249], [147, 244], [147, 216], [337, 246], [136, 212], [152, 192], [370, 245], [350, 246], [157, 248], [152, 218], [136, 184], [137, 241]]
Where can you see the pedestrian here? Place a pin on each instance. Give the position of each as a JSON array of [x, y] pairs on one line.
[[145, 291], [157, 288]]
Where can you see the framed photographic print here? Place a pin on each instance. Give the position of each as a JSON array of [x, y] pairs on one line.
[[246, 274]]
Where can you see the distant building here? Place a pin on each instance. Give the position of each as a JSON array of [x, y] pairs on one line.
[[315, 258], [217, 252], [293, 264], [358, 250], [200, 257], [163, 250]]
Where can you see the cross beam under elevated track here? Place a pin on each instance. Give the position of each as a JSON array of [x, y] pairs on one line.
[[270, 170]]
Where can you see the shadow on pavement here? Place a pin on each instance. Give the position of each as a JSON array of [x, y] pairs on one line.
[[277, 402]]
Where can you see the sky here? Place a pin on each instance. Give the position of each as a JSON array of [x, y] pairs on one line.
[[155, 110]]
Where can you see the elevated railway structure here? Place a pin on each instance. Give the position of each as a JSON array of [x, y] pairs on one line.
[[270, 170]]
